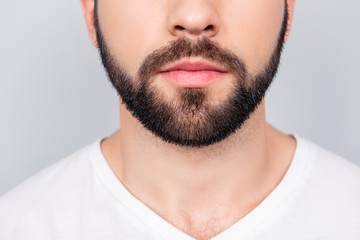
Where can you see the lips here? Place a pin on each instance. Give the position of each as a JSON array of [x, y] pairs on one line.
[[193, 73]]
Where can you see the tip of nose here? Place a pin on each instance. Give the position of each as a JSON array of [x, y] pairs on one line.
[[193, 18]]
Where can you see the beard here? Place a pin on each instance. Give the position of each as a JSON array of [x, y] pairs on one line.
[[192, 120]]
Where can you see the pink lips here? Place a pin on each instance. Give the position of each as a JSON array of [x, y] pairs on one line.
[[193, 74]]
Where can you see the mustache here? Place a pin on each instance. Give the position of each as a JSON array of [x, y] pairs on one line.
[[185, 48]]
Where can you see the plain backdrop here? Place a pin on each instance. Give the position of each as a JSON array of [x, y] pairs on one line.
[[55, 97]]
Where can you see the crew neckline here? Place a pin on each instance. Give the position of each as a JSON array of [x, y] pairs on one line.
[[238, 230]]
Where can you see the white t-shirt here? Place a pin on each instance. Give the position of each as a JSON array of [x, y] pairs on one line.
[[80, 198]]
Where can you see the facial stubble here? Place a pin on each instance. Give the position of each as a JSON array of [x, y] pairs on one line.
[[192, 120]]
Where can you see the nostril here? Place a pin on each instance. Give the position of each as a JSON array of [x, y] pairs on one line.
[[209, 27], [194, 30], [178, 27]]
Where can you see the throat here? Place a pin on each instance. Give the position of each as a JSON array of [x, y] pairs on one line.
[[204, 226]]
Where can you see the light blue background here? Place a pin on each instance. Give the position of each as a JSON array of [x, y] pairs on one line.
[[55, 97]]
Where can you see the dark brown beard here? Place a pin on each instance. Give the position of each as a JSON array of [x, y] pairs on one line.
[[195, 122]]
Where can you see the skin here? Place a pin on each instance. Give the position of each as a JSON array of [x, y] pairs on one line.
[[201, 191]]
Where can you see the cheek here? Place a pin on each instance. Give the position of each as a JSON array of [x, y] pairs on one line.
[[128, 29], [254, 27]]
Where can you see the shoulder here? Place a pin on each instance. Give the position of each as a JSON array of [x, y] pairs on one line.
[[55, 185], [329, 189], [332, 167], [54, 176]]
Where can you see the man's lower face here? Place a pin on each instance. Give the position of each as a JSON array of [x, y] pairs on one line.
[[190, 117]]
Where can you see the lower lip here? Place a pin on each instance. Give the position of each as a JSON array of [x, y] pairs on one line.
[[193, 79]]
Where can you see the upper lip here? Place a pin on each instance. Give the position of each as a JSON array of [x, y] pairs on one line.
[[193, 65]]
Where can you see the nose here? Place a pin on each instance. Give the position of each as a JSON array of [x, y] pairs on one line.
[[193, 18]]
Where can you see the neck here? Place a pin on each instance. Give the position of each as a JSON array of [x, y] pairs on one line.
[[166, 176]]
